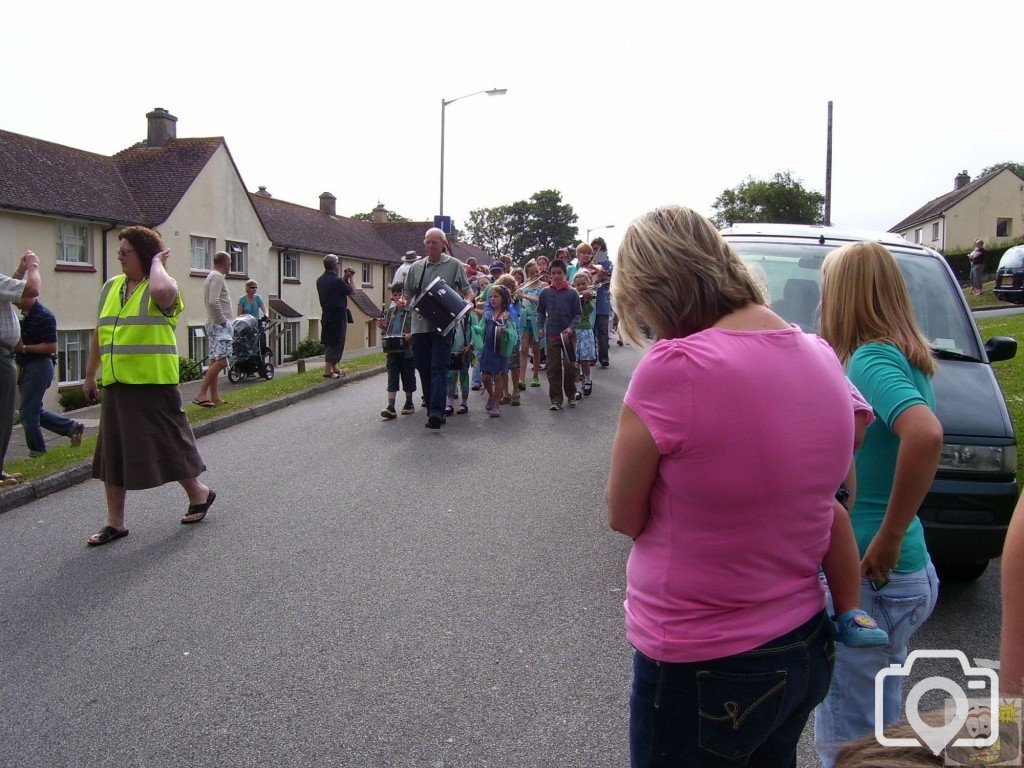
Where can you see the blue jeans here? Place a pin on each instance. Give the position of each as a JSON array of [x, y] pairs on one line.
[[747, 709], [433, 355], [36, 379], [848, 711]]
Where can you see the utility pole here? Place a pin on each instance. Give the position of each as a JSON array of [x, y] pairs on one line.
[[828, 170]]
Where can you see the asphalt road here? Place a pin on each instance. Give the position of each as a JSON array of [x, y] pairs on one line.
[[363, 593]]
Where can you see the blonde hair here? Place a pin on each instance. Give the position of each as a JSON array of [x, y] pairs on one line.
[[250, 284], [584, 248], [509, 282], [677, 275], [864, 299], [581, 274]]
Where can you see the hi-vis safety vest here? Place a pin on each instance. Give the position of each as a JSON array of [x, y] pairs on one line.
[[136, 340]]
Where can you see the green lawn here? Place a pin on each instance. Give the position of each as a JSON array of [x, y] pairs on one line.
[[987, 298], [63, 456], [1009, 372]]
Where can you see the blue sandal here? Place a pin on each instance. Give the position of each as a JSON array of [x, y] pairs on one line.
[[856, 629]]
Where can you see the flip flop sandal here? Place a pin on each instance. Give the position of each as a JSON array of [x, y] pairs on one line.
[[106, 534], [203, 403], [199, 509], [463, 409]]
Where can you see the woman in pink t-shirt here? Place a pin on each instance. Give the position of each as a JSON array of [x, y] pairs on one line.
[[737, 429]]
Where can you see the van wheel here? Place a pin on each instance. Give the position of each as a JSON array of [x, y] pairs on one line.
[[961, 571]]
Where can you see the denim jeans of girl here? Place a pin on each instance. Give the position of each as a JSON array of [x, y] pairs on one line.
[[742, 710], [848, 712]]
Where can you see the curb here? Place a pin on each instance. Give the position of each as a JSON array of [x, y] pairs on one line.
[[19, 495]]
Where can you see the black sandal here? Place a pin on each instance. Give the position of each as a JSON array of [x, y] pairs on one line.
[[199, 509], [105, 535]]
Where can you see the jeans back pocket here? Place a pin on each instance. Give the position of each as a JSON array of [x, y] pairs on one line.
[[738, 712], [900, 617]]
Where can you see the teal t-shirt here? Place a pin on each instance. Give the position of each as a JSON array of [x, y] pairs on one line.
[[251, 307], [890, 384]]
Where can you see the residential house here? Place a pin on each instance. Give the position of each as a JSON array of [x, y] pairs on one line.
[[68, 205], [990, 208]]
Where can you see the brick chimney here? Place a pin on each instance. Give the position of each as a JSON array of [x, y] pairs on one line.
[[161, 127], [262, 192], [327, 204], [380, 214], [962, 180]]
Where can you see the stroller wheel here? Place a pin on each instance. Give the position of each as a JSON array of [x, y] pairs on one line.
[[268, 371], [234, 375]]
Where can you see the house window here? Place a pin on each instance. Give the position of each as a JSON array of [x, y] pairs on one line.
[[202, 253], [72, 353], [239, 258], [367, 274], [935, 231], [73, 243], [291, 265], [197, 347], [1003, 228], [918, 235]]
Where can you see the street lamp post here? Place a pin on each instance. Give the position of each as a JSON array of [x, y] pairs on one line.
[[594, 229], [445, 103]]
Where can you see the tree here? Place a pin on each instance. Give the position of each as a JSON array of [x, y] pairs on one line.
[[1017, 168], [782, 200], [392, 216], [526, 228]]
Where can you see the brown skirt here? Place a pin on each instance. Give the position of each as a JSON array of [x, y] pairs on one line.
[[145, 439]]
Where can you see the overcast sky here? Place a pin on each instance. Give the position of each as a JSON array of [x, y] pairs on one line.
[[621, 106]]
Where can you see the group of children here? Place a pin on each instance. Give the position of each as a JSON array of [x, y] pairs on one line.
[[534, 315]]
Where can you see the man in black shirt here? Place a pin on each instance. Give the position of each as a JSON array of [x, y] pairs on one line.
[[35, 354], [334, 292]]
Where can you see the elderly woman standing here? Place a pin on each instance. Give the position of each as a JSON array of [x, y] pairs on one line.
[[867, 317], [735, 432], [145, 439]]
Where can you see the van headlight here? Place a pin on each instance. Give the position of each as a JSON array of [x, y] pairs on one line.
[[957, 457]]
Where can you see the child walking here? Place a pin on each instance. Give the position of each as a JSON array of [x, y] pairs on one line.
[[397, 322], [586, 344], [462, 352], [559, 310], [528, 336], [493, 364]]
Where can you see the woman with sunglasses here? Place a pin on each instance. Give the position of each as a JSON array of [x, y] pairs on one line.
[[251, 303]]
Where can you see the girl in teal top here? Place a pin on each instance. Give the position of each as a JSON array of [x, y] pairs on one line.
[[867, 317]]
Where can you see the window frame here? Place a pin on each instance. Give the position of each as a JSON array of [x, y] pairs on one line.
[[211, 250], [367, 273], [197, 342], [85, 246], [82, 337], [919, 235], [935, 231], [239, 250], [1008, 232], [290, 257]]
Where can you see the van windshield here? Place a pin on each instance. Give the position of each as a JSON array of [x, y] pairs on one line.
[[791, 273]]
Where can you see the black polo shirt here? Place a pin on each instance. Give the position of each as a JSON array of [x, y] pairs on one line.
[[38, 326]]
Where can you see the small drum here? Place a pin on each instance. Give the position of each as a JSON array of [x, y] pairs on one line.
[[393, 344], [440, 306], [568, 337]]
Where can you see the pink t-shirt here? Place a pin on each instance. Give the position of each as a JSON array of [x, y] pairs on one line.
[[755, 431]]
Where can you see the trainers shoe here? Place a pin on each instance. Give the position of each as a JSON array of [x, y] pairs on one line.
[[505, 399], [515, 400], [435, 422], [535, 382], [522, 385], [856, 629], [76, 436], [408, 408], [554, 407], [571, 402], [577, 397], [388, 413], [588, 387]]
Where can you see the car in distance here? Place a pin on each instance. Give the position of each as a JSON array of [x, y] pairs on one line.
[[1010, 276], [968, 508]]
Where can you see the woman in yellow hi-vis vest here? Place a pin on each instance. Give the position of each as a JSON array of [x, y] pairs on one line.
[[145, 439]]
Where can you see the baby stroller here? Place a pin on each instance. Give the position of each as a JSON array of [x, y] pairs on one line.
[[249, 349]]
